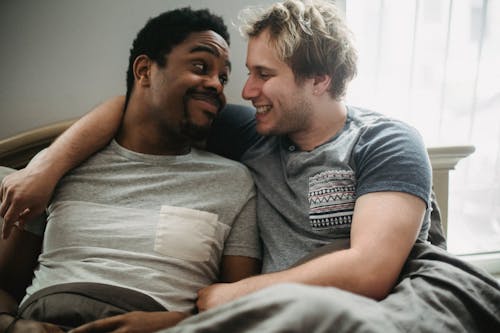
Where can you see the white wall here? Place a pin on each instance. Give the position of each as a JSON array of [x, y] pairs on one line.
[[59, 58]]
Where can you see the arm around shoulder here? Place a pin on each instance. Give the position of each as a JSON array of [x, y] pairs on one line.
[[82, 139], [26, 193]]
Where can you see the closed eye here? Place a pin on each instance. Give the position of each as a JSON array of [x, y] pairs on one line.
[[264, 76], [261, 72], [261, 76]]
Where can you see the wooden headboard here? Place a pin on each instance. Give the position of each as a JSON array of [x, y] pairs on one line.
[[16, 151]]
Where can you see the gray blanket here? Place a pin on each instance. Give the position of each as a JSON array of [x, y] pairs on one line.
[[436, 292]]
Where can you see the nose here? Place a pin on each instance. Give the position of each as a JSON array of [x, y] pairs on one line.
[[250, 89], [213, 83]]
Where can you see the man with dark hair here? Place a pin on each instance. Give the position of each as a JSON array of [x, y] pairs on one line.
[[179, 24], [134, 232], [343, 196]]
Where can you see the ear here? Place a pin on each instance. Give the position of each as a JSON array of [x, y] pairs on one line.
[[321, 83], [142, 70]]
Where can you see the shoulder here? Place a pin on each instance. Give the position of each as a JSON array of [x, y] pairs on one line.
[[220, 163], [390, 155], [380, 133], [376, 124]]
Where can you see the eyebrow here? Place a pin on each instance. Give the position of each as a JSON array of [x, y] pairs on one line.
[[260, 68], [211, 50]]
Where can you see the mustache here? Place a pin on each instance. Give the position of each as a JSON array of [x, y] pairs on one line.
[[206, 95]]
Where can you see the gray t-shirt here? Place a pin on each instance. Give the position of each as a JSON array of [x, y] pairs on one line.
[[306, 199], [155, 224]]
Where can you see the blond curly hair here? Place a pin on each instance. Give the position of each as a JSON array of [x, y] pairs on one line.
[[310, 36]]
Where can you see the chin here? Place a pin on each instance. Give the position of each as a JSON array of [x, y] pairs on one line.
[[263, 130], [197, 133]]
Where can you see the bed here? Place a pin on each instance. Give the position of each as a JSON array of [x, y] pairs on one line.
[[436, 291]]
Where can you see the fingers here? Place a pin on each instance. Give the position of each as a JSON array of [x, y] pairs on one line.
[[6, 229], [13, 204], [7, 207], [50, 328], [101, 325], [11, 217], [201, 301], [3, 208], [20, 223], [4, 202], [12, 220], [2, 187], [23, 217], [5, 196], [4, 205], [19, 190], [11, 212]]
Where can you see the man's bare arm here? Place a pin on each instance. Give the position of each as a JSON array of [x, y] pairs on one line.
[[18, 257], [26, 193], [235, 268], [136, 321], [385, 226]]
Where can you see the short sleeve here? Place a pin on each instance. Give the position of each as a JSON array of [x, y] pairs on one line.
[[243, 239], [391, 156]]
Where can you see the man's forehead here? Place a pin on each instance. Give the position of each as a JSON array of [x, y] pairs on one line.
[[208, 41], [262, 53]]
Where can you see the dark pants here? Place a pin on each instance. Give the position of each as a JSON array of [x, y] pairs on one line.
[[73, 304]]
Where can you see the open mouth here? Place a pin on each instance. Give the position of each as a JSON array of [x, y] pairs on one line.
[[262, 109]]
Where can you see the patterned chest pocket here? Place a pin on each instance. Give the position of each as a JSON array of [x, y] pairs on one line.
[[331, 202]]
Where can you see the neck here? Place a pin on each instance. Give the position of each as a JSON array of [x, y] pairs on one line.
[[141, 131], [327, 120]]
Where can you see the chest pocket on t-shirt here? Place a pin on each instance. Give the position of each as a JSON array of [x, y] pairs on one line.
[[189, 234], [331, 202]]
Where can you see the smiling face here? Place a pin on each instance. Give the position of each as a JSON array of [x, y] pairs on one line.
[[283, 106], [187, 93]]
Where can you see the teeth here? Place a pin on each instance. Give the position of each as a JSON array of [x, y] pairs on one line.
[[263, 109]]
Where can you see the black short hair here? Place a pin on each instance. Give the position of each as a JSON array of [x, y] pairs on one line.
[[163, 32]]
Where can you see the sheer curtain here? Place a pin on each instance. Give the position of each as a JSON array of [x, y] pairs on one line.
[[436, 65]]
